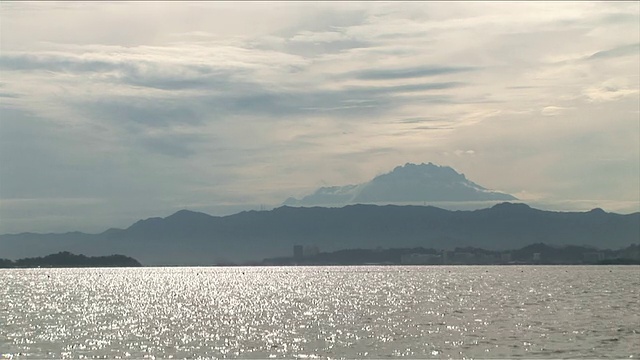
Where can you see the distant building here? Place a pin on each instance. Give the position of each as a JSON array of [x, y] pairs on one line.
[[421, 259], [593, 257], [298, 252], [462, 257], [310, 251], [536, 257], [487, 258]]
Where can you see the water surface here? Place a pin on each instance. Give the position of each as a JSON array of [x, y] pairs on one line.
[[326, 312]]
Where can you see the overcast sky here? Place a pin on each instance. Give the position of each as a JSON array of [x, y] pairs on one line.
[[112, 112]]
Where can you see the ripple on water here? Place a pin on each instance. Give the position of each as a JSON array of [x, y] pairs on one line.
[[311, 312]]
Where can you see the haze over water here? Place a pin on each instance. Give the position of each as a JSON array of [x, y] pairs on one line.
[[326, 312]]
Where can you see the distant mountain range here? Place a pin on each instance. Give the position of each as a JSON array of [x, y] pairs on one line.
[[192, 238], [408, 183]]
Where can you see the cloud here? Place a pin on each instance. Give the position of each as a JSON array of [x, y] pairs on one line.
[[150, 105], [611, 90], [138, 90], [406, 73], [322, 37], [9, 95], [150, 66], [172, 144], [552, 110], [460, 152], [55, 62], [419, 120], [625, 50]]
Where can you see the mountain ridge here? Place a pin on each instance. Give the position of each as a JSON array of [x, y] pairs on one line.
[[191, 238]]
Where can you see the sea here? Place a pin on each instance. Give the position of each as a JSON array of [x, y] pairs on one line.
[[321, 312]]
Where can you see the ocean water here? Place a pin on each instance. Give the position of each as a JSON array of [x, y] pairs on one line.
[[322, 312]]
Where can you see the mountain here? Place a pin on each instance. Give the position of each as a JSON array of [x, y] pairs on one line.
[[192, 238], [408, 183]]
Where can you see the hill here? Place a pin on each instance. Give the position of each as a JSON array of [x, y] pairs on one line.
[[191, 238], [66, 259]]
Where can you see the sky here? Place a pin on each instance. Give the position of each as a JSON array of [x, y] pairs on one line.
[[112, 112]]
